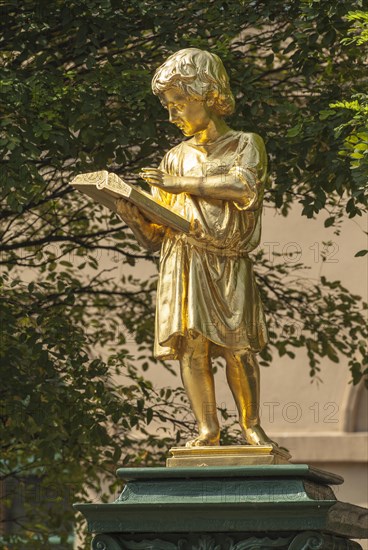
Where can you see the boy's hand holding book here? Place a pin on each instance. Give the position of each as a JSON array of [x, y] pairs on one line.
[[130, 213]]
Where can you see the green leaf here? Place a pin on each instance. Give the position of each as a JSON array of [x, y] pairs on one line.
[[361, 253], [326, 113], [295, 130], [149, 415]]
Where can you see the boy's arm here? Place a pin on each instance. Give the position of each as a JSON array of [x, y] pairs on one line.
[[243, 183], [239, 185], [230, 186], [148, 234]]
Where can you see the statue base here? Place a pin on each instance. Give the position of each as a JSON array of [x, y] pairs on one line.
[[288, 507], [231, 455]]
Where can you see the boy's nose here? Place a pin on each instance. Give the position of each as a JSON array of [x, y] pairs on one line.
[[172, 114]]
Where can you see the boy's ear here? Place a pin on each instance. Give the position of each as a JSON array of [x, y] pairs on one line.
[[211, 98]]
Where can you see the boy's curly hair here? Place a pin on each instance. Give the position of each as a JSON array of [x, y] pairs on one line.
[[199, 74]]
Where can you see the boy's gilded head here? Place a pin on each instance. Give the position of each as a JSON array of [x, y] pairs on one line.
[[200, 75]]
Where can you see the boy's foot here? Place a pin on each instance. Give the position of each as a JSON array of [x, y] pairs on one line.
[[203, 440], [257, 436]]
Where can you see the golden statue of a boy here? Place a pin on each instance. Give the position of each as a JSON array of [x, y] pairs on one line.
[[208, 304]]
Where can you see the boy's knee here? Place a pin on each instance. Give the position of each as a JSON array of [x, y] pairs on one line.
[[194, 342]]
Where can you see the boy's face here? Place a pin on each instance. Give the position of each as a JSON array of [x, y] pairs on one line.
[[190, 115]]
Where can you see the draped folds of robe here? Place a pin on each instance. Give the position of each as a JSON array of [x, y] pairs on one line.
[[206, 282]]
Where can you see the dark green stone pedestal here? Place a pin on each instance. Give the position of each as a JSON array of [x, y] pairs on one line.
[[226, 508]]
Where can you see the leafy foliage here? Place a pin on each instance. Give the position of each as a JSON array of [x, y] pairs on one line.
[[354, 132], [75, 90], [358, 32]]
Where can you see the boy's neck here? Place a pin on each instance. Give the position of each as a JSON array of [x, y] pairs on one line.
[[217, 127]]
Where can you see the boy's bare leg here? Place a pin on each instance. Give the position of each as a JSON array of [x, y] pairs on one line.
[[243, 376], [197, 377]]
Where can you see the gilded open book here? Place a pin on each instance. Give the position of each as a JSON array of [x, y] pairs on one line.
[[106, 188]]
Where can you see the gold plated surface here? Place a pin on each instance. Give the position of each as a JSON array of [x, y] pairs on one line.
[[106, 188], [234, 455], [208, 303]]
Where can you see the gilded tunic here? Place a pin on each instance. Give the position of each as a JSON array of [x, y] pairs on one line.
[[206, 282]]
